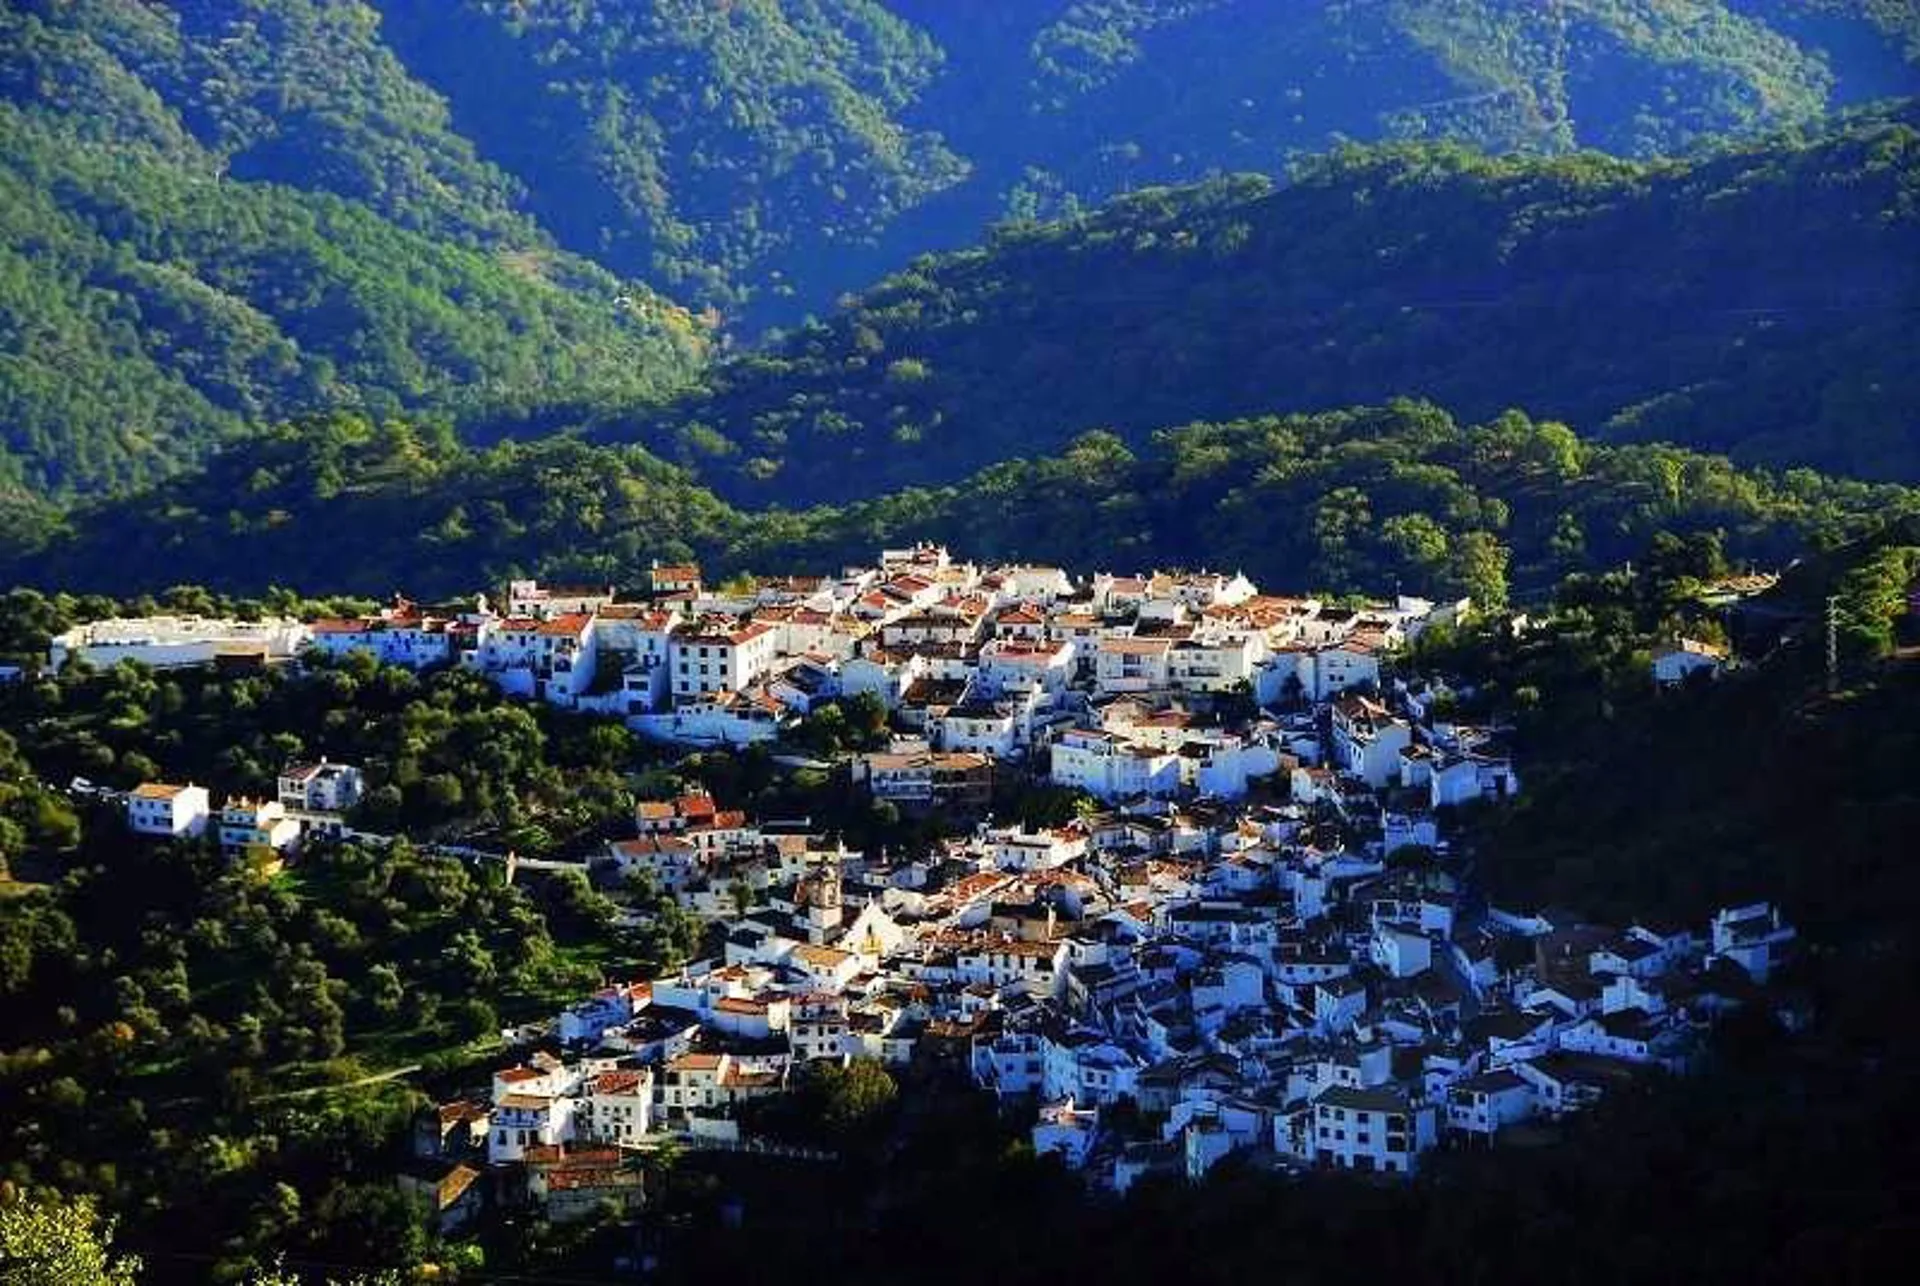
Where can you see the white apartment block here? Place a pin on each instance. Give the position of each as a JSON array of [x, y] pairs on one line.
[[709, 659]]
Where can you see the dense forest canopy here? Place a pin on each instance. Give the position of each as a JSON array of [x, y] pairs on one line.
[[192, 244], [759, 156], [220, 214], [1760, 301], [1355, 500]]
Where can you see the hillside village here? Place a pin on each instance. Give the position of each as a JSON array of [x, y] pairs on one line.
[[1253, 936]]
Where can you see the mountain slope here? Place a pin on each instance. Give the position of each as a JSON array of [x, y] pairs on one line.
[[763, 156], [1113, 90], [227, 211], [713, 149], [160, 288], [760, 156], [1760, 301]]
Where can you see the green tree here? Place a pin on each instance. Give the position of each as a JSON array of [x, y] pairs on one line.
[[49, 1240], [1479, 569], [852, 1098]]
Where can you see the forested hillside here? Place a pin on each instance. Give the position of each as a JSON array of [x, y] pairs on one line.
[[1761, 302], [760, 156], [221, 213], [163, 283], [1118, 93], [1355, 500], [721, 151]]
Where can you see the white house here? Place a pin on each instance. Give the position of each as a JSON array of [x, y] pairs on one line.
[[672, 861], [1111, 767], [257, 828], [638, 638], [156, 808], [1212, 665], [617, 1107], [1464, 778], [718, 719], [530, 598], [527, 1120], [321, 788], [1031, 581], [1337, 1002], [1628, 1034], [883, 675], [1753, 937], [1005, 962], [712, 658], [1478, 1107], [1017, 849], [1286, 675], [980, 725], [1066, 1131], [1686, 657], [1025, 665], [1086, 1066], [1132, 664], [829, 968], [585, 1023], [566, 656], [1368, 740], [399, 635], [926, 779], [1224, 766], [673, 578], [1370, 1129], [1402, 952], [960, 628], [1350, 664]]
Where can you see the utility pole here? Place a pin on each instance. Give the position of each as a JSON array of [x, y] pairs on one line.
[[1833, 643]]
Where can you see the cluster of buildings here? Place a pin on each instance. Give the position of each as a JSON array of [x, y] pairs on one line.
[[312, 800], [1257, 938], [1308, 980], [1129, 685], [1271, 979], [996, 661]]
